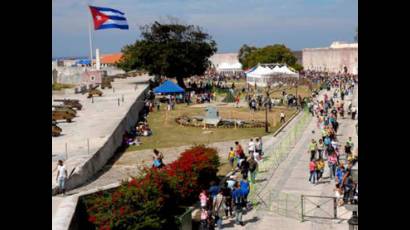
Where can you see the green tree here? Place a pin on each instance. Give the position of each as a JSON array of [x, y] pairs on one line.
[[277, 53], [172, 50], [244, 51]]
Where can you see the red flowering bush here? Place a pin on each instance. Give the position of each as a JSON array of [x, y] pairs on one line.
[[150, 201]]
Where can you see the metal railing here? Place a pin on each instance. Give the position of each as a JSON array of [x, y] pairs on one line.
[[274, 155]]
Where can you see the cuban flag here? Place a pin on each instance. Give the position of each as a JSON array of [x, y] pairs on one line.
[[107, 18]]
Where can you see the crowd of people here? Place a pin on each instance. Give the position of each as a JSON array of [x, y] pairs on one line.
[[327, 148], [229, 199], [141, 128]]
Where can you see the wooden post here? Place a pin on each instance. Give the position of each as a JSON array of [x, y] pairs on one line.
[[273, 120], [66, 152]]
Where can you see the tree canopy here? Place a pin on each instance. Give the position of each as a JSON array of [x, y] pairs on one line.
[[244, 51], [277, 53], [172, 50]]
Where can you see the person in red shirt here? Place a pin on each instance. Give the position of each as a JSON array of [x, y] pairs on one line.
[[239, 151], [312, 169]]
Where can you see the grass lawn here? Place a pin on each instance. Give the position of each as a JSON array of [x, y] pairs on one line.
[[167, 133], [59, 86]]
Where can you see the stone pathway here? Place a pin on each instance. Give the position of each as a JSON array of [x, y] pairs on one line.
[[291, 177]]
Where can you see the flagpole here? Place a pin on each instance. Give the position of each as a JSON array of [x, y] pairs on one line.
[[91, 42]]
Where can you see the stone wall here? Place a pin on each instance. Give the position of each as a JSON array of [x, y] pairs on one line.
[[72, 75], [91, 166], [331, 59]]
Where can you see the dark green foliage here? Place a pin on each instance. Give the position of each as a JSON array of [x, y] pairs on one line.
[[172, 50], [251, 56]]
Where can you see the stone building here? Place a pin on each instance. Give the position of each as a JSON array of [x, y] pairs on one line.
[[299, 56], [339, 57]]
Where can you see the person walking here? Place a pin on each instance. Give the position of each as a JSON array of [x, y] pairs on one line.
[[238, 201], [331, 162], [227, 193], [244, 167], [261, 146], [239, 153], [312, 149], [61, 176], [253, 168], [237, 100], [320, 148], [258, 150], [350, 142], [245, 188], [282, 117], [354, 111], [218, 210], [231, 158], [320, 166], [157, 158], [251, 147], [312, 169]]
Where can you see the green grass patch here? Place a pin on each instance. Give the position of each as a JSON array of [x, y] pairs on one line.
[[168, 133], [59, 86]]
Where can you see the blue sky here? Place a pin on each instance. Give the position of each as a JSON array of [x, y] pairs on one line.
[[296, 23]]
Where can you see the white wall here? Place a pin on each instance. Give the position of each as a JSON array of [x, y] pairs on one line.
[[331, 59]]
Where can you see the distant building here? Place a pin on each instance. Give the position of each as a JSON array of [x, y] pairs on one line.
[[339, 57], [226, 63], [92, 77], [110, 59]]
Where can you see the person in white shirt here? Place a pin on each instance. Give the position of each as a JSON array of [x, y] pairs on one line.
[[251, 147], [282, 117], [61, 176], [258, 150], [354, 111]]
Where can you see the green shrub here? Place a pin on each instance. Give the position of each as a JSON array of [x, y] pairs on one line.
[[151, 200]]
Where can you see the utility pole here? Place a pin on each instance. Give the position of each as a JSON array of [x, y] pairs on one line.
[[266, 110]]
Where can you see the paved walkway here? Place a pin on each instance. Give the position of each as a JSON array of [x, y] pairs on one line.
[[291, 178], [128, 164]]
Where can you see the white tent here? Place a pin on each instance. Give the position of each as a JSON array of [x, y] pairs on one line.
[[229, 68], [284, 69], [263, 76]]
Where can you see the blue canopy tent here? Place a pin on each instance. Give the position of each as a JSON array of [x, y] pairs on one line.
[[83, 62], [168, 87]]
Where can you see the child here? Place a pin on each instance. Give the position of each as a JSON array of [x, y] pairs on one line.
[[231, 158]]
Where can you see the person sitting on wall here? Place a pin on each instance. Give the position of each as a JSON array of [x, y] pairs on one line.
[[146, 131]]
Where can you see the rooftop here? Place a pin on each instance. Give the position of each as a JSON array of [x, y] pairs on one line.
[[110, 58], [337, 45]]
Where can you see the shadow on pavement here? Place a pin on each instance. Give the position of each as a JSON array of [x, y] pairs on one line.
[[261, 180]]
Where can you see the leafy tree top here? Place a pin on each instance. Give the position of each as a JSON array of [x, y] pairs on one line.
[[277, 53], [172, 50]]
